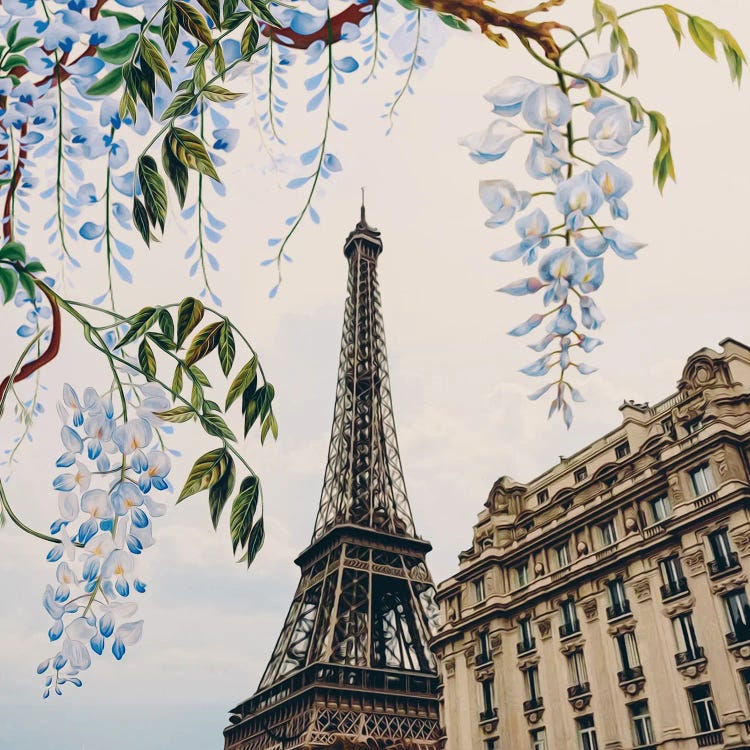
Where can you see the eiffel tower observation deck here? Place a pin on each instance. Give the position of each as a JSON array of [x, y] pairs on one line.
[[352, 667]]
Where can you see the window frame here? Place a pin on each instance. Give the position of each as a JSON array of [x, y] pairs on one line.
[[707, 702], [581, 474], [611, 533], [586, 733], [707, 483], [641, 724], [662, 500], [622, 450], [480, 592]]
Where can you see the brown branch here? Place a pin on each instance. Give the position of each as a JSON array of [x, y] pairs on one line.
[[50, 352], [14, 180]]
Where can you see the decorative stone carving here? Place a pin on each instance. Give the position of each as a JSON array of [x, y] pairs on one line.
[[741, 541], [539, 568], [580, 702], [496, 642], [489, 726], [622, 626], [469, 655], [741, 652], [545, 628], [529, 661], [631, 524], [694, 562], [725, 585], [450, 667], [485, 672], [675, 491], [535, 715], [590, 610], [642, 590], [570, 646], [582, 548], [693, 669], [631, 689], [679, 606]]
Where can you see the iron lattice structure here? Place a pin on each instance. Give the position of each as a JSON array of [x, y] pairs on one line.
[[352, 666]]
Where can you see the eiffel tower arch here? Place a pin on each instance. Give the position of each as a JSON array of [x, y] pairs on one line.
[[352, 666]]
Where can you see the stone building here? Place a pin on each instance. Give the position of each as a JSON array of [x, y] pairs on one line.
[[603, 605]]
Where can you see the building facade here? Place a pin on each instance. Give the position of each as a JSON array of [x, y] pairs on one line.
[[604, 605]]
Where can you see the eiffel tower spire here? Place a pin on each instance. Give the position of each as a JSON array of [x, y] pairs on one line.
[[352, 660]]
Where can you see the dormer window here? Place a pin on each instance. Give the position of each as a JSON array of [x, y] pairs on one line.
[[694, 426], [542, 497], [622, 450], [580, 474]]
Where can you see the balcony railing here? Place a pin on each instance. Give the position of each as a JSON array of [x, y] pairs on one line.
[[524, 647], [488, 714], [583, 688], [618, 609], [532, 704], [707, 739], [722, 565], [740, 634], [677, 587], [569, 628], [483, 658], [691, 655], [704, 500], [630, 674]]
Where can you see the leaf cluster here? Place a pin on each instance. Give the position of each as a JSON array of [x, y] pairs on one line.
[[15, 270]]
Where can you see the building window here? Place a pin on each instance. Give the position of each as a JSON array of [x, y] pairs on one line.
[[569, 617], [702, 480], [577, 669], [487, 692], [531, 680], [479, 590], [618, 604], [671, 573], [704, 711], [483, 641], [563, 555], [580, 474], [490, 744], [687, 640], [586, 733], [607, 533], [643, 730], [694, 426], [522, 575], [668, 427], [538, 739], [745, 675], [661, 508], [627, 649], [738, 615], [725, 558], [542, 497], [526, 641], [622, 450]]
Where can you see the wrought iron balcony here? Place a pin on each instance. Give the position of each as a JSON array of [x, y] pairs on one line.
[[740, 634], [630, 674], [569, 628], [525, 646], [618, 609], [483, 658], [488, 715], [707, 739], [722, 565], [677, 587], [583, 688], [532, 704], [685, 657]]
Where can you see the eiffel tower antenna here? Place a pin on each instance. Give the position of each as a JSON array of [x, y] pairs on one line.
[[352, 661]]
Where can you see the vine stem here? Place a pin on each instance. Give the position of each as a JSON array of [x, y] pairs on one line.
[[412, 66]]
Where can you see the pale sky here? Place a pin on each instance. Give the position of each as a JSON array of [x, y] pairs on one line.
[[461, 412]]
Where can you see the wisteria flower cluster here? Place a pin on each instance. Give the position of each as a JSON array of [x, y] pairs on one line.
[[111, 470], [572, 222]]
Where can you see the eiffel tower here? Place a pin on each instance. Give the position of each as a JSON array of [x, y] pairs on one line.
[[352, 667]]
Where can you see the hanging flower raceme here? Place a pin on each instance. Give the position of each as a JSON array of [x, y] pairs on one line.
[[106, 514]]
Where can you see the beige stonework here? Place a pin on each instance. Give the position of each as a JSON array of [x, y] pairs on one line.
[[605, 604]]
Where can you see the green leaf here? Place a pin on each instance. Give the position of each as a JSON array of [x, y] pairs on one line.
[[153, 57], [163, 342], [13, 252], [191, 151], [219, 493], [193, 22], [257, 536], [181, 105], [8, 282], [177, 380], [199, 376], [595, 90], [177, 414], [140, 219], [170, 28], [23, 43], [34, 267], [242, 380], [219, 61], [27, 282], [214, 424], [206, 471], [250, 407], [124, 20], [453, 22], [205, 341], [175, 170], [243, 510], [269, 423], [249, 42], [703, 33], [733, 53], [226, 348], [154, 190], [139, 323], [106, 85], [120, 52], [264, 397], [13, 60], [146, 359], [10, 36], [166, 323], [236, 19], [213, 11], [189, 314], [673, 19], [230, 6], [408, 4], [219, 94]]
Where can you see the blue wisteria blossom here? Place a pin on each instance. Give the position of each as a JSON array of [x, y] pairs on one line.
[[112, 469]]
